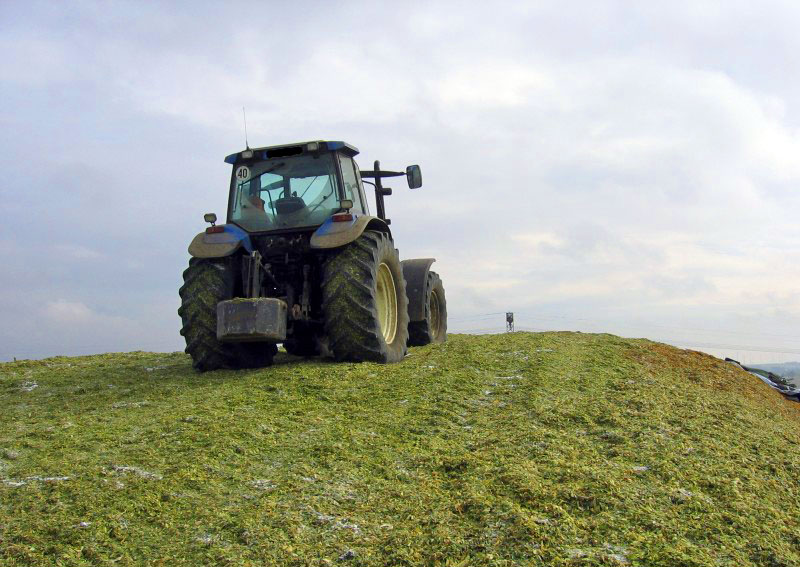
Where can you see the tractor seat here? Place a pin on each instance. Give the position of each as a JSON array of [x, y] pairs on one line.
[[288, 205]]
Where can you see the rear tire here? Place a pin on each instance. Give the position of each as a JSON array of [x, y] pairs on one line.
[[206, 283], [432, 329], [365, 302]]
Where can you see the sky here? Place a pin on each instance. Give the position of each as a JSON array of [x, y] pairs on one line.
[[604, 166]]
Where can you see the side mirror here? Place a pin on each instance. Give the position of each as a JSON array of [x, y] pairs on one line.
[[210, 218], [414, 176]]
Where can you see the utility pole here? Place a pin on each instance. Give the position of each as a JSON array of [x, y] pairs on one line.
[[509, 322]]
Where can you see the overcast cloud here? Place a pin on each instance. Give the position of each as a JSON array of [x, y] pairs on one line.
[[609, 166]]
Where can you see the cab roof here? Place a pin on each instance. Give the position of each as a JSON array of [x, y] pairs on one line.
[[297, 148]]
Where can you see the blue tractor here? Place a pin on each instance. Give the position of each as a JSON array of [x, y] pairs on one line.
[[301, 261]]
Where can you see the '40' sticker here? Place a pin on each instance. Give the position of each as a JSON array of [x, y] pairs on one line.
[[242, 173]]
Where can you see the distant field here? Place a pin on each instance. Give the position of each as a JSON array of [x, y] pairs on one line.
[[516, 449]]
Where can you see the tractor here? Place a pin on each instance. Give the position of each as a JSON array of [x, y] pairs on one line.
[[301, 262]]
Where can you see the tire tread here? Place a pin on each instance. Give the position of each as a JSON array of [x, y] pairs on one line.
[[206, 283], [348, 290]]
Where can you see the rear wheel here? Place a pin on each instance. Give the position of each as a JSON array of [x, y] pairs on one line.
[[432, 329], [364, 300], [206, 283]]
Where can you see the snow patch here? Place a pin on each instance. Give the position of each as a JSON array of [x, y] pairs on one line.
[[27, 479], [138, 472], [120, 405]]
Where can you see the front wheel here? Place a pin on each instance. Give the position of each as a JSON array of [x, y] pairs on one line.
[[365, 302], [432, 329]]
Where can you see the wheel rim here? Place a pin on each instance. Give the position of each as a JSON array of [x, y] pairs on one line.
[[386, 303], [434, 306]]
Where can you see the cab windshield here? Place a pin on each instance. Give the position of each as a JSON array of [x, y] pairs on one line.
[[284, 193]]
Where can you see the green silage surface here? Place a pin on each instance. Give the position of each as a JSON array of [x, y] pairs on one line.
[[518, 449]]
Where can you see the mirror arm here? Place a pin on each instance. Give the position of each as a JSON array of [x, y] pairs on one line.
[[379, 192]]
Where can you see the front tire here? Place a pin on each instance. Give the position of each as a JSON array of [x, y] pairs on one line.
[[365, 302], [206, 283], [432, 329]]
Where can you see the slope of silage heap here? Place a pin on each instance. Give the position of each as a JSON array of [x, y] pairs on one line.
[[515, 449]]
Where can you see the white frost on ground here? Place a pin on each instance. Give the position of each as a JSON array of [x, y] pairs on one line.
[[323, 518], [617, 553], [23, 481], [345, 525], [10, 454], [205, 538], [263, 484], [28, 386], [119, 405], [139, 472], [335, 523]]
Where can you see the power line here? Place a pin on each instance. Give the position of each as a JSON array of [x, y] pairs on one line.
[[483, 331], [674, 342], [49, 351], [472, 317], [686, 343], [777, 350], [651, 325]]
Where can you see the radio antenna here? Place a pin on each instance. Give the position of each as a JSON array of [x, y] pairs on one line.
[[244, 115]]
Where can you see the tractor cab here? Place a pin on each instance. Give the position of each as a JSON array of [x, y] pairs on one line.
[[293, 187]]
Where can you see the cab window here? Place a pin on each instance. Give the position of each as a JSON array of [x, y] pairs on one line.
[[361, 188], [350, 182], [284, 193]]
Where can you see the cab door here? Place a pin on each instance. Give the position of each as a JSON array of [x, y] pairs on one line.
[[352, 186]]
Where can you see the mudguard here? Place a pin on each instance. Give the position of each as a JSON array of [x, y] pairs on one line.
[[334, 234], [220, 244], [415, 273]]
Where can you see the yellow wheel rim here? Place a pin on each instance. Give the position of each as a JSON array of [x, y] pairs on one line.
[[434, 306], [386, 303]]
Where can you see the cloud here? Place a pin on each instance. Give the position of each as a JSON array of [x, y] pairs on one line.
[[33, 60], [77, 252], [489, 84], [67, 312], [539, 242], [625, 161]]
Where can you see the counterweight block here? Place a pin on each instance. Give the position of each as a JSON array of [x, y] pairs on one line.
[[250, 320]]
